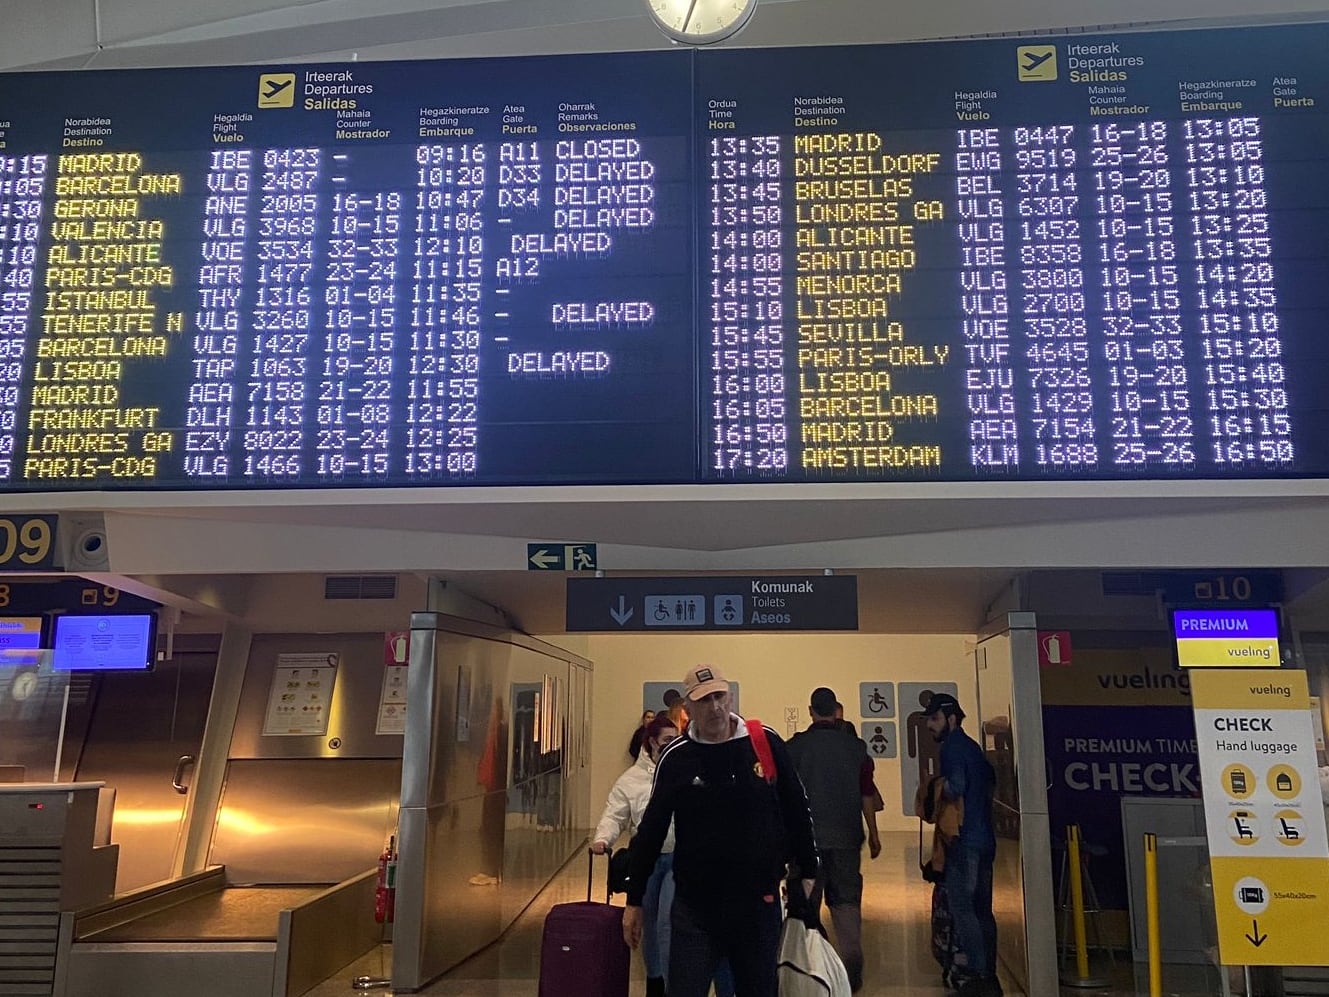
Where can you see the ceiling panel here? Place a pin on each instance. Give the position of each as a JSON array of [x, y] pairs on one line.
[[47, 30], [195, 32]]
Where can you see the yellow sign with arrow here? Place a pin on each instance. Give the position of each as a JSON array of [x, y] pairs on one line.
[[1268, 849]]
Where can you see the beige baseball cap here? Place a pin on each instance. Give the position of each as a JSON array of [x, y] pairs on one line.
[[703, 680]]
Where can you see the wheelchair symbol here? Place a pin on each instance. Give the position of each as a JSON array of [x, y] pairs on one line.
[[877, 703]]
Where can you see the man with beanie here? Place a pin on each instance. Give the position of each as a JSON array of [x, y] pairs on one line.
[[837, 775], [736, 825], [967, 775]]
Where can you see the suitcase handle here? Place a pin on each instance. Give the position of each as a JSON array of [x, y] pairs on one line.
[[590, 874]]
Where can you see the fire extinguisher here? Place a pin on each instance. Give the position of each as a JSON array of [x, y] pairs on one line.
[[385, 890]]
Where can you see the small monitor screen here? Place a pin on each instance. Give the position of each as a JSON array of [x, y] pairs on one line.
[[1226, 638], [121, 642], [20, 633]]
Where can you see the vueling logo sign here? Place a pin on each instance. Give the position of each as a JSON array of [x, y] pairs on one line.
[[276, 90]]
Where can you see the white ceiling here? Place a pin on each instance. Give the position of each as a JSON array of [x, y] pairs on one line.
[[139, 33]]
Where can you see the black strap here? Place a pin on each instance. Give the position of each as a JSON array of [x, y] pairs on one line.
[[801, 906]]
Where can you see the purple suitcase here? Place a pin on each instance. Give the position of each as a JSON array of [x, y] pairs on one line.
[[583, 953]]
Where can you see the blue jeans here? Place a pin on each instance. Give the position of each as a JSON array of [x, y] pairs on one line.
[[968, 880], [656, 909], [655, 906]]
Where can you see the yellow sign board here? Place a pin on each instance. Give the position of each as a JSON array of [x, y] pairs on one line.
[[1268, 849], [1251, 652], [276, 90], [1036, 63]]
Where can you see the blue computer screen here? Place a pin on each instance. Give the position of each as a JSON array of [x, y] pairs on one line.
[[121, 642]]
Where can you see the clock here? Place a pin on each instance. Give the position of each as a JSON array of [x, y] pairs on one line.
[[25, 683], [700, 22]]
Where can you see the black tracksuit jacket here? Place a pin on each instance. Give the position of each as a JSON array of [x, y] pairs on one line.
[[733, 832]]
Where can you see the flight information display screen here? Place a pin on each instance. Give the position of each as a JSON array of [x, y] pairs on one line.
[[1063, 258], [389, 273], [1081, 257]]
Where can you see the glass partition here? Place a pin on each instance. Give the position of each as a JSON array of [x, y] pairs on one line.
[[993, 729]]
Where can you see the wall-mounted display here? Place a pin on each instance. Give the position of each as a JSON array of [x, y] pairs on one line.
[[1076, 257], [114, 642]]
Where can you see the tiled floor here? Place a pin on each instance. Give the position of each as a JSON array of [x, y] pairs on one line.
[[895, 936]]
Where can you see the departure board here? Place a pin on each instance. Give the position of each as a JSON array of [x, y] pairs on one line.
[[371, 274], [1079, 257], [1061, 258]]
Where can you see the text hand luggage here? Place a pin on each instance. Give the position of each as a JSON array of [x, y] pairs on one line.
[[583, 953]]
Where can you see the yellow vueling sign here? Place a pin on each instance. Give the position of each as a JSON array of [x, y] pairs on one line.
[[1268, 849]]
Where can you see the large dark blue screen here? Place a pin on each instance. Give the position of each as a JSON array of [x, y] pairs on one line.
[[1062, 258]]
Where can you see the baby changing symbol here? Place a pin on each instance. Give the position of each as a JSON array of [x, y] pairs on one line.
[[728, 610], [880, 739]]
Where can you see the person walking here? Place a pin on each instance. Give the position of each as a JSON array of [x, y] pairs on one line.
[[623, 810], [837, 775], [966, 775], [639, 735], [676, 706], [739, 814]]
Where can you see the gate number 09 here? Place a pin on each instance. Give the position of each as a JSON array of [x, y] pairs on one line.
[[27, 543]]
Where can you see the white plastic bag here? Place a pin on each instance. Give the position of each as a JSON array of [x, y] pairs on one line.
[[808, 966]]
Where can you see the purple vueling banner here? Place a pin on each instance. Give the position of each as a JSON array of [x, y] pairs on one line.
[[1115, 723]]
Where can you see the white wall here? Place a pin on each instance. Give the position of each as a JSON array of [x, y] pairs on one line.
[[774, 671]]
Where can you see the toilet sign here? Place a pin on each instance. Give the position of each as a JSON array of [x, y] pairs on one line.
[[1268, 850], [1054, 648]]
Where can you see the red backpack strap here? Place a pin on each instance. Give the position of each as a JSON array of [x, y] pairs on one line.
[[762, 747]]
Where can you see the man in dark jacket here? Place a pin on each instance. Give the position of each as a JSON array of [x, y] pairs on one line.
[[967, 775], [735, 828], [837, 775]]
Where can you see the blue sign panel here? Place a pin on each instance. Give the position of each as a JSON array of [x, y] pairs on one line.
[[772, 602]]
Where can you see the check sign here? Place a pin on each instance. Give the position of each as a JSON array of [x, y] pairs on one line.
[[1268, 850]]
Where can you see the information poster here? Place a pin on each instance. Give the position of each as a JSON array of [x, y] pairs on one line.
[[300, 698], [1264, 817], [392, 701]]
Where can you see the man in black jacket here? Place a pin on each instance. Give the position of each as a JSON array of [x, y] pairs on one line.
[[834, 767], [734, 831]]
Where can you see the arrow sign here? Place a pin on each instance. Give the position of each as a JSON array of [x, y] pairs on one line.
[[623, 613], [544, 560], [707, 602], [1258, 938]]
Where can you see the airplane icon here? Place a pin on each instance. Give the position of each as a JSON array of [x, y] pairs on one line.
[[1036, 62], [276, 90]]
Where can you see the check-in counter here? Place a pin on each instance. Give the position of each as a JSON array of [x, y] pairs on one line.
[[54, 857]]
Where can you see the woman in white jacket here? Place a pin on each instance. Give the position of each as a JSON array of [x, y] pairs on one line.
[[627, 802]]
